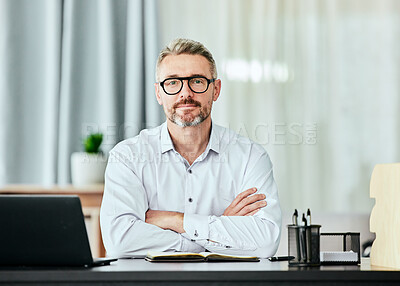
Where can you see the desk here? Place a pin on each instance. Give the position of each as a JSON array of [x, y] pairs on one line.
[[90, 197], [141, 272]]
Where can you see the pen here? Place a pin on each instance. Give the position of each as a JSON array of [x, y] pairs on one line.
[[302, 239], [294, 217], [308, 217], [308, 234], [281, 258], [304, 220], [297, 235]]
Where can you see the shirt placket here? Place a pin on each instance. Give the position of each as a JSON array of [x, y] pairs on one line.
[[189, 199]]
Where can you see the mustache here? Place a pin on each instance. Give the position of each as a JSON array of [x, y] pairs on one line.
[[186, 101]]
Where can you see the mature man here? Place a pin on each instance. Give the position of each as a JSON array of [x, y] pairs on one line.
[[189, 185]]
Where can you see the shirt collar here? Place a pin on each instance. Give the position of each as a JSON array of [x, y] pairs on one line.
[[214, 138], [166, 141]]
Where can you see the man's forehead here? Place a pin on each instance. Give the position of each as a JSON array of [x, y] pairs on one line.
[[184, 65]]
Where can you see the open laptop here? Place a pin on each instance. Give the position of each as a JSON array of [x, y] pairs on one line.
[[41, 230]]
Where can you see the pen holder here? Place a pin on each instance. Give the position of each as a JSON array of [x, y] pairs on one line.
[[303, 245]]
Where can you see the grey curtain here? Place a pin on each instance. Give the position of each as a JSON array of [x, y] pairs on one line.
[[69, 68]]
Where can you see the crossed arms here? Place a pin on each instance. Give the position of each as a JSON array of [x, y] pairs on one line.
[[250, 225], [245, 204]]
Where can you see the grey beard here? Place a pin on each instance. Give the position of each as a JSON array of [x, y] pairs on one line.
[[199, 119]]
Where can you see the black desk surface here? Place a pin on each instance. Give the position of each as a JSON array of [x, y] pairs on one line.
[[140, 272]]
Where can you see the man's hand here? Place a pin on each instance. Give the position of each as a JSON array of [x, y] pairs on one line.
[[246, 204], [166, 220]]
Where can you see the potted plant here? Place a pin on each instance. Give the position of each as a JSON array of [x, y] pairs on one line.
[[87, 168]]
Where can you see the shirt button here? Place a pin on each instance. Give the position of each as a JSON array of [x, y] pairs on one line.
[[190, 171], [190, 200]]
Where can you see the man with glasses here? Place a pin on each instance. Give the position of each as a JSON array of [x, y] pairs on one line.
[[189, 185]]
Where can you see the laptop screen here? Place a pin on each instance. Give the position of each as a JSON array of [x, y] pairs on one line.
[[43, 230]]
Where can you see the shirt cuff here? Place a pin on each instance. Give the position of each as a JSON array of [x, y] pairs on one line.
[[196, 226], [187, 245]]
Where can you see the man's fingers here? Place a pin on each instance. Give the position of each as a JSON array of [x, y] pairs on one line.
[[243, 195], [232, 209], [246, 193], [252, 213], [246, 202], [249, 200], [252, 207]]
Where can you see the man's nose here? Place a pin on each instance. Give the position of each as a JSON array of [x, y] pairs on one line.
[[185, 91]]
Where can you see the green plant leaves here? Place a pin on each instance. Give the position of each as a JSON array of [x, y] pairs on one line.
[[92, 143]]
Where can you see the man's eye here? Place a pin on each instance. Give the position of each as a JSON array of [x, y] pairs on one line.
[[198, 81], [172, 82]]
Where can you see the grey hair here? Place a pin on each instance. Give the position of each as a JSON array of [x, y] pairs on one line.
[[186, 46]]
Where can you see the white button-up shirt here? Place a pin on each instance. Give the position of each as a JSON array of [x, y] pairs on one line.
[[145, 172]]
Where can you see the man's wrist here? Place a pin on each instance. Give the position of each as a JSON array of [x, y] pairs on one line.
[[176, 222]]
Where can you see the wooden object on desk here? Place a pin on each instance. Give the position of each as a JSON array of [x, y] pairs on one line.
[[90, 196], [385, 215]]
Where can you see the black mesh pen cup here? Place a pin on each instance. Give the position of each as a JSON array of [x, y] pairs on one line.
[[303, 245]]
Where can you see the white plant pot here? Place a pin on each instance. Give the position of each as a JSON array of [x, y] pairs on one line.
[[87, 168]]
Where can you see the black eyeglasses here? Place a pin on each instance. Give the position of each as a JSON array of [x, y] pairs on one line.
[[197, 84]]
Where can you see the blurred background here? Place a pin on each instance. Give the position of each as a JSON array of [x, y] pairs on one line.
[[315, 82]]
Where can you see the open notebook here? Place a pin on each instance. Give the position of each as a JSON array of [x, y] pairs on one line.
[[41, 230], [154, 256]]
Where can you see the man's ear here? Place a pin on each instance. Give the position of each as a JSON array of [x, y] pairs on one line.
[[158, 96], [217, 89]]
